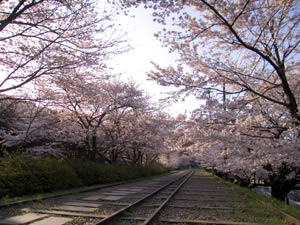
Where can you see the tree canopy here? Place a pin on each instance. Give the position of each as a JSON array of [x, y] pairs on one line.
[[241, 58], [52, 38]]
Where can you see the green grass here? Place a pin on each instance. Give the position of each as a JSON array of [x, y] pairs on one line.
[[258, 208], [268, 200], [258, 213]]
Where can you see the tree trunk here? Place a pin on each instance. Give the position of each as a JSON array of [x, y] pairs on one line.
[[278, 181], [292, 106], [280, 189], [94, 147]]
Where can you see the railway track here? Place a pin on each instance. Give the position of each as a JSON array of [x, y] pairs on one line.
[[180, 198], [22, 200], [111, 201]]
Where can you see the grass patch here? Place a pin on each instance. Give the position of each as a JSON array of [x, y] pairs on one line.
[[255, 199], [27, 176]]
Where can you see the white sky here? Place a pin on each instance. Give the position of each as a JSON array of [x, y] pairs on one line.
[[134, 64]]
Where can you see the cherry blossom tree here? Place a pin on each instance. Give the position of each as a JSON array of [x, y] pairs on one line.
[[43, 43], [48, 38], [28, 125], [134, 136], [108, 120], [252, 144], [241, 58], [58, 49], [90, 103], [250, 46]]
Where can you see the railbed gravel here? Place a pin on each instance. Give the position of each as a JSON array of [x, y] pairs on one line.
[[209, 203], [140, 212], [128, 222], [108, 209], [12, 211], [191, 214], [84, 221]]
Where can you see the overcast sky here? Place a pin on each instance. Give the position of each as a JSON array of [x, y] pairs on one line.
[[134, 64]]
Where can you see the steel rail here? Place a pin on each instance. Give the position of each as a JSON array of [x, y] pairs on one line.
[[152, 216], [117, 213]]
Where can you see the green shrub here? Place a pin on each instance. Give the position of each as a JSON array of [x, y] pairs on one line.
[[24, 175], [3, 189], [88, 172], [55, 174]]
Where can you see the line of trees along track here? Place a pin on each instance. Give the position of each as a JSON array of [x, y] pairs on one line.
[[58, 95], [241, 58]]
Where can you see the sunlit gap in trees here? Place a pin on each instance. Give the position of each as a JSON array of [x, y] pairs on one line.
[[135, 64]]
